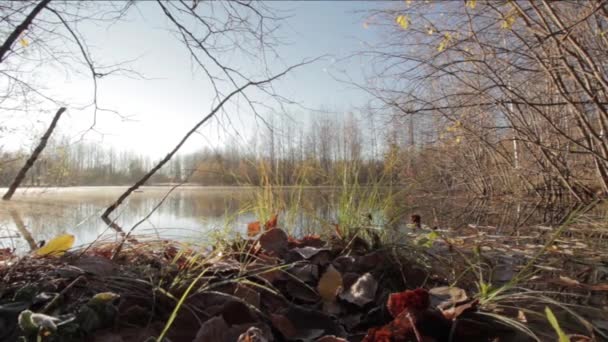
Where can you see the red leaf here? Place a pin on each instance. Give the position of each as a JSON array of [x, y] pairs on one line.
[[414, 301], [253, 228]]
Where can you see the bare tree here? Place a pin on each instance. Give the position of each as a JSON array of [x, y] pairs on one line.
[[516, 91]]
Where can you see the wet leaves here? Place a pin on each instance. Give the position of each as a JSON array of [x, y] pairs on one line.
[[305, 288]]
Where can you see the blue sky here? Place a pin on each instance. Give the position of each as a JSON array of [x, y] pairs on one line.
[[173, 97]]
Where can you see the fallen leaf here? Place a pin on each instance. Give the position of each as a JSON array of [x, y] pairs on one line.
[[97, 265], [363, 291], [212, 330], [456, 311], [299, 290], [274, 241], [283, 325], [308, 252], [253, 334], [330, 284], [253, 228], [56, 246], [248, 295], [306, 273], [447, 296], [413, 300]]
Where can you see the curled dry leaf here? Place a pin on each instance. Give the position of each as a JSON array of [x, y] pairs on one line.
[[447, 296], [456, 311], [362, 292], [308, 252], [330, 284]]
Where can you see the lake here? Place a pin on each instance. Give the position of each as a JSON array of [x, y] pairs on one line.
[[191, 212]]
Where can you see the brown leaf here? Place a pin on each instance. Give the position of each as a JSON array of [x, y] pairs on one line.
[[96, 265], [456, 311], [447, 296], [363, 291], [253, 228], [283, 325], [308, 252], [330, 284], [248, 295], [344, 263], [212, 330], [301, 291], [306, 273], [274, 241]]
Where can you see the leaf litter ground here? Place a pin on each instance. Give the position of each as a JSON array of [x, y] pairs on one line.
[[274, 287]]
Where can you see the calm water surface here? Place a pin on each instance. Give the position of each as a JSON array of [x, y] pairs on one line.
[[190, 212]]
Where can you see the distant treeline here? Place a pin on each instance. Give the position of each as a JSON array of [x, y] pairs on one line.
[[322, 152]]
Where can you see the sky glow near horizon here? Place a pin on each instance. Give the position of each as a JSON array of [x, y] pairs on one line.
[[173, 97]]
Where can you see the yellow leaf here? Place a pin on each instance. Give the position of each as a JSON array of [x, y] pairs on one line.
[[444, 42], [509, 20], [330, 284], [57, 246], [24, 42], [408, 2], [403, 21], [430, 30], [365, 25], [471, 4]]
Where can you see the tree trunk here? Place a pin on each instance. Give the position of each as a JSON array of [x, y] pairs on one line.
[[32, 159]]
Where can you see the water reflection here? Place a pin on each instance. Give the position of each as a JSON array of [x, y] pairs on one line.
[[190, 212]]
